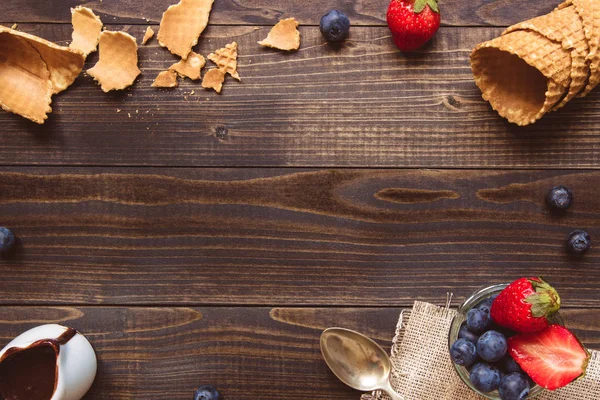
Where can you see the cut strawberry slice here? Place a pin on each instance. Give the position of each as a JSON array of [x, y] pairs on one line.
[[553, 358]]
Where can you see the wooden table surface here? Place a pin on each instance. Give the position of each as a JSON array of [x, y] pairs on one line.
[[202, 238]]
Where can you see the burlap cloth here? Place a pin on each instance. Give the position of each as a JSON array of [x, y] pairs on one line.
[[422, 369]]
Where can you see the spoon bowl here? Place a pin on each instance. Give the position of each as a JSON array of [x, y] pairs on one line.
[[357, 361]]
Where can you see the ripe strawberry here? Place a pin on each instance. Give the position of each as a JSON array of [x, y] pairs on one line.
[[525, 305], [413, 22], [553, 358]]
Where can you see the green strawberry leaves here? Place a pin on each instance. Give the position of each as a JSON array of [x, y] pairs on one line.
[[420, 5], [545, 301]]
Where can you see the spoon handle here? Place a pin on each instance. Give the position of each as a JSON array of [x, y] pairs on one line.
[[391, 392]]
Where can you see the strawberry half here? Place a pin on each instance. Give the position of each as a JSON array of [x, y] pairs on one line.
[[553, 358], [525, 305], [413, 22]]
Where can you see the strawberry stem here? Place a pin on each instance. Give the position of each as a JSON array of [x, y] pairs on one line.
[[545, 302]]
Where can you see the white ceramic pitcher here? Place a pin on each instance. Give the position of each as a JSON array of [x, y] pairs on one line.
[[76, 364]]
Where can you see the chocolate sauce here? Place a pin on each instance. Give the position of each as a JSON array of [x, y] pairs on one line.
[[29, 374]]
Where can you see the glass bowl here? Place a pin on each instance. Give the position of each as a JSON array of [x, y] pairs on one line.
[[468, 304]]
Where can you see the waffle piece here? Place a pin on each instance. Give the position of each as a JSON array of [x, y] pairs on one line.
[[564, 26], [87, 27], [166, 79], [25, 85], [283, 36], [117, 67], [148, 35], [191, 67], [213, 79], [226, 59], [522, 74], [182, 24]]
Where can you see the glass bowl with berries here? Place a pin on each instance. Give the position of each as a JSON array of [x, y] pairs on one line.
[[509, 342]]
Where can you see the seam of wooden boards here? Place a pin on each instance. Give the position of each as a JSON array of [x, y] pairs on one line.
[[302, 167], [154, 23], [257, 306]]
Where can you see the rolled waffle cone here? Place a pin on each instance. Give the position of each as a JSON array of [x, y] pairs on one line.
[[564, 26], [589, 11], [522, 74], [226, 59], [182, 24]]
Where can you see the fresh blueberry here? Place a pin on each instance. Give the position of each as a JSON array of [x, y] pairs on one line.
[[579, 242], [465, 333], [485, 377], [508, 365], [7, 239], [514, 387], [207, 392], [463, 352], [487, 302], [477, 320], [559, 198], [492, 346], [335, 26]]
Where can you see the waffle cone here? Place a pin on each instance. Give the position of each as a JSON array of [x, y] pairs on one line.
[[117, 67], [589, 12], [87, 27], [182, 24], [190, 68], [25, 86], [522, 74], [226, 59], [283, 36], [31, 71], [564, 26], [166, 79]]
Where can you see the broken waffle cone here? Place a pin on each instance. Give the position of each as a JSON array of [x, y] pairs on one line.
[[31, 71], [148, 35], [87, 27], [213, 79], [117, 67], [564, 26], [191, 67], [182, 24], [522, 74], [166, 79], [226, 59], [25, 85], [64, 64], [283, 36]]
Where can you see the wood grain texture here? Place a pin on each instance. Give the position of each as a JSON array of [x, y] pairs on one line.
[[288, 237], [248, 353], [266, 12], [362, 105]]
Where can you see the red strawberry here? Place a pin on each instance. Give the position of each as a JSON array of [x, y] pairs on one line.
[[413, 22], [553, 358], [526, 305]]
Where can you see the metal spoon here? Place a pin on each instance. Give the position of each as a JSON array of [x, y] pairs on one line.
[[357, 361]]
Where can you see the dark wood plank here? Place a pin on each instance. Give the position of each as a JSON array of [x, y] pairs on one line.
[[248, 353], [266, 12], [362, 105], [288, 237]]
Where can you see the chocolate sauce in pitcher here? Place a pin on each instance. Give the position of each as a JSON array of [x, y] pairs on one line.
[[32, 373], [29, 374]]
